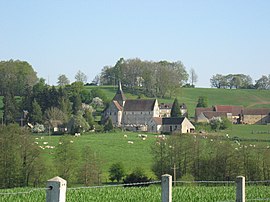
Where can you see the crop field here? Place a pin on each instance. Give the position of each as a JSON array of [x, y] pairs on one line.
[[149, 194]]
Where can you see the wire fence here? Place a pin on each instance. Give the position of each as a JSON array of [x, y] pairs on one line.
[[255, 190]]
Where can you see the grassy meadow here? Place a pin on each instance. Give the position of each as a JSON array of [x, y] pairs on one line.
[[114, 147], [110, 148]]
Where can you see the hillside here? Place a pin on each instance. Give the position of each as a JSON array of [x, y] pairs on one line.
[[246, 97]]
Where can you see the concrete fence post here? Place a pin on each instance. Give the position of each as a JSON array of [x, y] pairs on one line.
[[240, 189], [166, 188], [56, 190]]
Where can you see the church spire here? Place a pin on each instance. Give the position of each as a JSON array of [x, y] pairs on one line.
[[120, 96]]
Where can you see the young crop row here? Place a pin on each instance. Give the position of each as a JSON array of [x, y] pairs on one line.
[[150, 194]]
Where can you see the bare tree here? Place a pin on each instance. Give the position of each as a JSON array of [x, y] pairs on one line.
[[193, 77]]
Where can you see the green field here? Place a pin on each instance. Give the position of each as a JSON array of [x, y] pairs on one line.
[[111, 148], [149, 194], [114, 147]]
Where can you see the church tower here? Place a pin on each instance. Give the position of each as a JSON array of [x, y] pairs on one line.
[[120, 96]]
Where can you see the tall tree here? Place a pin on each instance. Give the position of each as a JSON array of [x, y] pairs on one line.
[[63, 80], [263, 82], [77, 104], [10, 108], [36, 113], [18, 156], [175, 112], [90, 171], [66, 158], [81, 77], [89, 118], [16, 76], [54, 117]]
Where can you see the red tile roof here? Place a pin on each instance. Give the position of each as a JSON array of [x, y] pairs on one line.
[[235, 110]]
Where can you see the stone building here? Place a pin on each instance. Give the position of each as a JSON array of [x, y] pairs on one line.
[[130, 114], [143, 114]]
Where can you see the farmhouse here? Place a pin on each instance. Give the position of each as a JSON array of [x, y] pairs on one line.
[[173, 125], [237, 114], [255, 116], [137, 114]]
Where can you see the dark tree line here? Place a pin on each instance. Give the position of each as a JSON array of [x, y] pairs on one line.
[[201, 158], [154, 79]]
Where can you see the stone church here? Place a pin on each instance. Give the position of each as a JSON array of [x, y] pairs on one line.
[[130, 114]]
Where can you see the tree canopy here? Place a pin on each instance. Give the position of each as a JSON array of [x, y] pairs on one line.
[[150, 78], [16, 76]]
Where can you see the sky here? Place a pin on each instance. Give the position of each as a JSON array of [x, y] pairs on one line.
[[211, 36]]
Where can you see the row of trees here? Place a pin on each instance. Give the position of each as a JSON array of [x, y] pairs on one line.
[[154, 79], [21, 162], [239, 81], [199, 157]]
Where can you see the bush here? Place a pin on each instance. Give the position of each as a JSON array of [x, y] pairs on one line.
[[137, 176], [38, 128], [117, 172]]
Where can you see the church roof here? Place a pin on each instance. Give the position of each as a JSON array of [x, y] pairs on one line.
[[172, 120], [117, 105], [140, 105]]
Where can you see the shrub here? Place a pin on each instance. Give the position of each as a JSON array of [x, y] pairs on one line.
[[137, 176]]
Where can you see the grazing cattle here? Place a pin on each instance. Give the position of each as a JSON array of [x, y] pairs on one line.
[[125, 136], [77, 134], [130, 142]]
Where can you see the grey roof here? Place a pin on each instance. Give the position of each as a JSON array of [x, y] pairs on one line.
[[172, 120], [258, 111], [139, 105]]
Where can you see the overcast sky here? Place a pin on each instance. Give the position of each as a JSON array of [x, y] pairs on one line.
[[62, 37]]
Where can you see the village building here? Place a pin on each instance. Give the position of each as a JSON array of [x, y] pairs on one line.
[[137, 114], [176, 125], [237, 114], [166, 108], [255, 116]]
